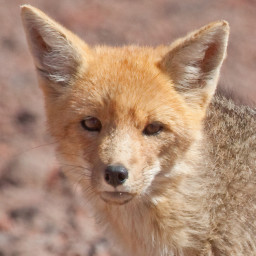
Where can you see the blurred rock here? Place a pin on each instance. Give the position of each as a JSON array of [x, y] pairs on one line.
[[28, 168]]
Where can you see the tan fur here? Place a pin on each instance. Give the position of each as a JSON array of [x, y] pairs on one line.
[[191, 188]]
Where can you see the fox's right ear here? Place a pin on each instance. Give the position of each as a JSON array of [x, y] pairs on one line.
[[58, 54]]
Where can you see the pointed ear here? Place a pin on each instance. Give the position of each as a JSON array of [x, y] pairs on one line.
[[58, 54], [193, 63]]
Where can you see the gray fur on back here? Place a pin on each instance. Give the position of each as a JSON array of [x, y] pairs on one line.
[[230, 130]]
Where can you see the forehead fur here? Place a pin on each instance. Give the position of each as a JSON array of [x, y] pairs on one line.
[[123, 81]]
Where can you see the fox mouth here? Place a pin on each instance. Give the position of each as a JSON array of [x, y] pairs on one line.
[[116, 197]]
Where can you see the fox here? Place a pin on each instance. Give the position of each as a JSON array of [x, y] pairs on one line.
[[165, 158]]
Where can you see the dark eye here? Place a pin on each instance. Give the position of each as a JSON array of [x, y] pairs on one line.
[[91, 124], [153, 129]]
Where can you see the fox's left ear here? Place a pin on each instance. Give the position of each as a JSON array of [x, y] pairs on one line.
[[193, 63]]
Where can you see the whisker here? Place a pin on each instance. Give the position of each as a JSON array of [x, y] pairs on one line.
[[78, 182], [33, 148], [89, 193], [69, 154], [71, 165], [86, 172]]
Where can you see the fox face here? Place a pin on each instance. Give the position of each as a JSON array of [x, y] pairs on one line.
[[124, 118], [124, 132]]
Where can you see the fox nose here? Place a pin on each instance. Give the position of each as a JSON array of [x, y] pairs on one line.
[[116, 175]]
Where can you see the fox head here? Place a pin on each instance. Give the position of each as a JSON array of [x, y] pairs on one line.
[[124, 117]]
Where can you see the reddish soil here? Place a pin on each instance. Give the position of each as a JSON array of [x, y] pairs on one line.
[[40, 213]]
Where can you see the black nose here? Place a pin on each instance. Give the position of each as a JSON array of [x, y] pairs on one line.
[[115, 175]]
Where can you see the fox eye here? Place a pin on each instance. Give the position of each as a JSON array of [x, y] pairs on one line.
[[153, 129], [91, 124]]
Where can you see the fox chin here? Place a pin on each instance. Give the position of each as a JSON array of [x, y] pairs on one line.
[[167, 162]]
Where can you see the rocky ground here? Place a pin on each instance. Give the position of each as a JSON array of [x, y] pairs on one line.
[[40, 213]]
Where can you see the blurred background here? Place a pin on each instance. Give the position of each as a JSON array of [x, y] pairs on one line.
[[40, 213]]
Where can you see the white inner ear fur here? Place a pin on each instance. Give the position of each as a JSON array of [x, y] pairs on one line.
[[54, 55]]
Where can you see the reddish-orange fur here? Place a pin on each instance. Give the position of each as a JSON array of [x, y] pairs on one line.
[[167, 206]]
